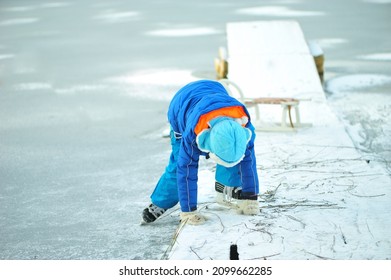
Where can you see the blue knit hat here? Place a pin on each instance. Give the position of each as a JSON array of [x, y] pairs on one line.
[[226, 141]]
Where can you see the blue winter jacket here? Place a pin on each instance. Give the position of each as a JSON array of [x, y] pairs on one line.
[[187, 106]]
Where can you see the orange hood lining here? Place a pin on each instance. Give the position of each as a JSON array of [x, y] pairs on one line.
[[232, 112]]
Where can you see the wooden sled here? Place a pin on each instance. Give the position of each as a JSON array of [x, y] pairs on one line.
[[287, 104]]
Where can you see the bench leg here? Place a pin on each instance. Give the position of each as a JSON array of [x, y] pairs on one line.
[[257, 114], [298, 122], [287, 109], [284, 111]]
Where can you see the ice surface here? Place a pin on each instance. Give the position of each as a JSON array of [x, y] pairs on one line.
[[279, 11]]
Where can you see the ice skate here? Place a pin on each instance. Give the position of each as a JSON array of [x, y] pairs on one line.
[[151, 214], [227, 196]]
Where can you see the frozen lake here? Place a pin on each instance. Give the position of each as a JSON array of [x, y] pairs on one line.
[[84, 88]]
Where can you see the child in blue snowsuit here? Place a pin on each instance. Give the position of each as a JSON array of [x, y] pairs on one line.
[[206, 121]]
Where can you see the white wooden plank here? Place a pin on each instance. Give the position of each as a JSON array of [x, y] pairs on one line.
[[265, 37], [271, 59], [283, 75]]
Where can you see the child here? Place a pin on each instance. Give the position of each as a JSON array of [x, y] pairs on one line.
[[206, 121]]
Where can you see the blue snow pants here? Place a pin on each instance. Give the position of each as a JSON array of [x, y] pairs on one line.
[[165, 194]]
